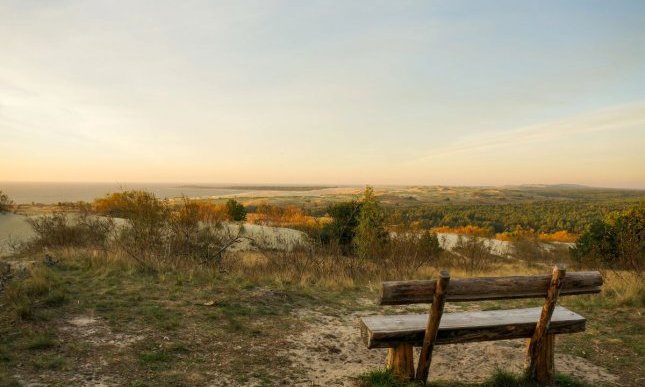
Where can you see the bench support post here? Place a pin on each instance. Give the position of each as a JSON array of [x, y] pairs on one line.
[[432, 328], [541, 345], [400, 360]]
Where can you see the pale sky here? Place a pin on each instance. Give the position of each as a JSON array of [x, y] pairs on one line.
[[335, 92]]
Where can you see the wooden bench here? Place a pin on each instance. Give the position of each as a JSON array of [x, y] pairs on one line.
[[400, 333]]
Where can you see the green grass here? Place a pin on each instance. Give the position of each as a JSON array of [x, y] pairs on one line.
[[384, 378], [7, 380], [155, 360], [48, 363], [185, 341], [40, 341], [165, 308]]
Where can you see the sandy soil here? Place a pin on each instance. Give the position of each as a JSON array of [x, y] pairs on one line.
[[332, 354], [329, 352], [280, 238], [12, 227]]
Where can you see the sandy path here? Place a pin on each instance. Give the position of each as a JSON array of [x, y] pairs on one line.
[[331, 353]]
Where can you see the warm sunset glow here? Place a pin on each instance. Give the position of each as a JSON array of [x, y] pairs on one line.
[[323, 92]]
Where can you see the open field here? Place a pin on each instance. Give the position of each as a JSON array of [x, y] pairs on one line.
[[92, 319], [321, 196], [288, 193], [415, 196], [142, 300]]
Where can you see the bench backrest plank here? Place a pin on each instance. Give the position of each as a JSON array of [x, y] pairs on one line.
[[488, 288]]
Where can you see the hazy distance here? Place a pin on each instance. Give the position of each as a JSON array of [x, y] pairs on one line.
[[451, 93]]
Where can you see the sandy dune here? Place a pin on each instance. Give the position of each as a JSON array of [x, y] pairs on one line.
[[13, 227]]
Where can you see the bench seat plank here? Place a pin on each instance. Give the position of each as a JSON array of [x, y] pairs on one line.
[[462, 327]]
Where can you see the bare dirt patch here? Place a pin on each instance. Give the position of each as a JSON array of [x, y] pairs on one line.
[[95, 331], [331, 353]]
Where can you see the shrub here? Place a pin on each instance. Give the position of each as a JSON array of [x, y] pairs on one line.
[[130, 204], [34, 287], [147, 219], [371, 237], [618, 242], [236, 210], [5, 203], [155, 233], [57, 230], [407, 252], [342, 228], [476, 252], [191, 238]]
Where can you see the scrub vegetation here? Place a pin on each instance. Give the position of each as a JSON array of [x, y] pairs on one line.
[[154, 292]]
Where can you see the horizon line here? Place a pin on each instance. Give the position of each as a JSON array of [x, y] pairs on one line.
[[325, 185]]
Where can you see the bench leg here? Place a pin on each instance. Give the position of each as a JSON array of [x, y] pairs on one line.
[[543, 364], [400, 360]]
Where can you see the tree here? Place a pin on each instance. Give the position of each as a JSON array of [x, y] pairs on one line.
[[371, 237], [342, 228], [597, 245], [5, 203], [236, 210], [618, 242], [429, 245], [629, 228]]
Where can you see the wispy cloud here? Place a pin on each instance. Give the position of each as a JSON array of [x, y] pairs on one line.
[[615, 118]]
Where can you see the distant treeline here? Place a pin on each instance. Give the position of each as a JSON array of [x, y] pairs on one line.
[[544, 217]]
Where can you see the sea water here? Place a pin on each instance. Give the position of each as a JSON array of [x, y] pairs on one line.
[[51, 193]]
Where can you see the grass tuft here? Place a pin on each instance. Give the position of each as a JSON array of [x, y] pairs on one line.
[[40, 340], [49, 363], [384, 378]]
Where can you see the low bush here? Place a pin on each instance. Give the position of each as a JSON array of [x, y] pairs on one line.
[[6, 204], [58, 230], [35, 288], [155, 233], [617, 242]]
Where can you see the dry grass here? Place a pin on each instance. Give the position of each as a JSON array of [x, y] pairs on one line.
[[624, 288], [253, 294], [37, 285]]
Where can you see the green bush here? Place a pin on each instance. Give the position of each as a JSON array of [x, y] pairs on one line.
[[342, 229], [57, 230], [618, 242], [156, 231], [371, 238], [5, 203], [236, 210]]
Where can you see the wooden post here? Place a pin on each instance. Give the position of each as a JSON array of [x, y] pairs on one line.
[[432, 328], [541, 345], [400, 360]]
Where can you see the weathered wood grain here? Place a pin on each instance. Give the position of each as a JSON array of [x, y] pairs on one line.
[[539, 353], [434, 319], [390, 331], [488, 288], [545, 370], [400, 360]]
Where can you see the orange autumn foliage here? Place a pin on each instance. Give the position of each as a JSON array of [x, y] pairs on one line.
[[466, 230], [279, 216], [559, 236], [213, 213]]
